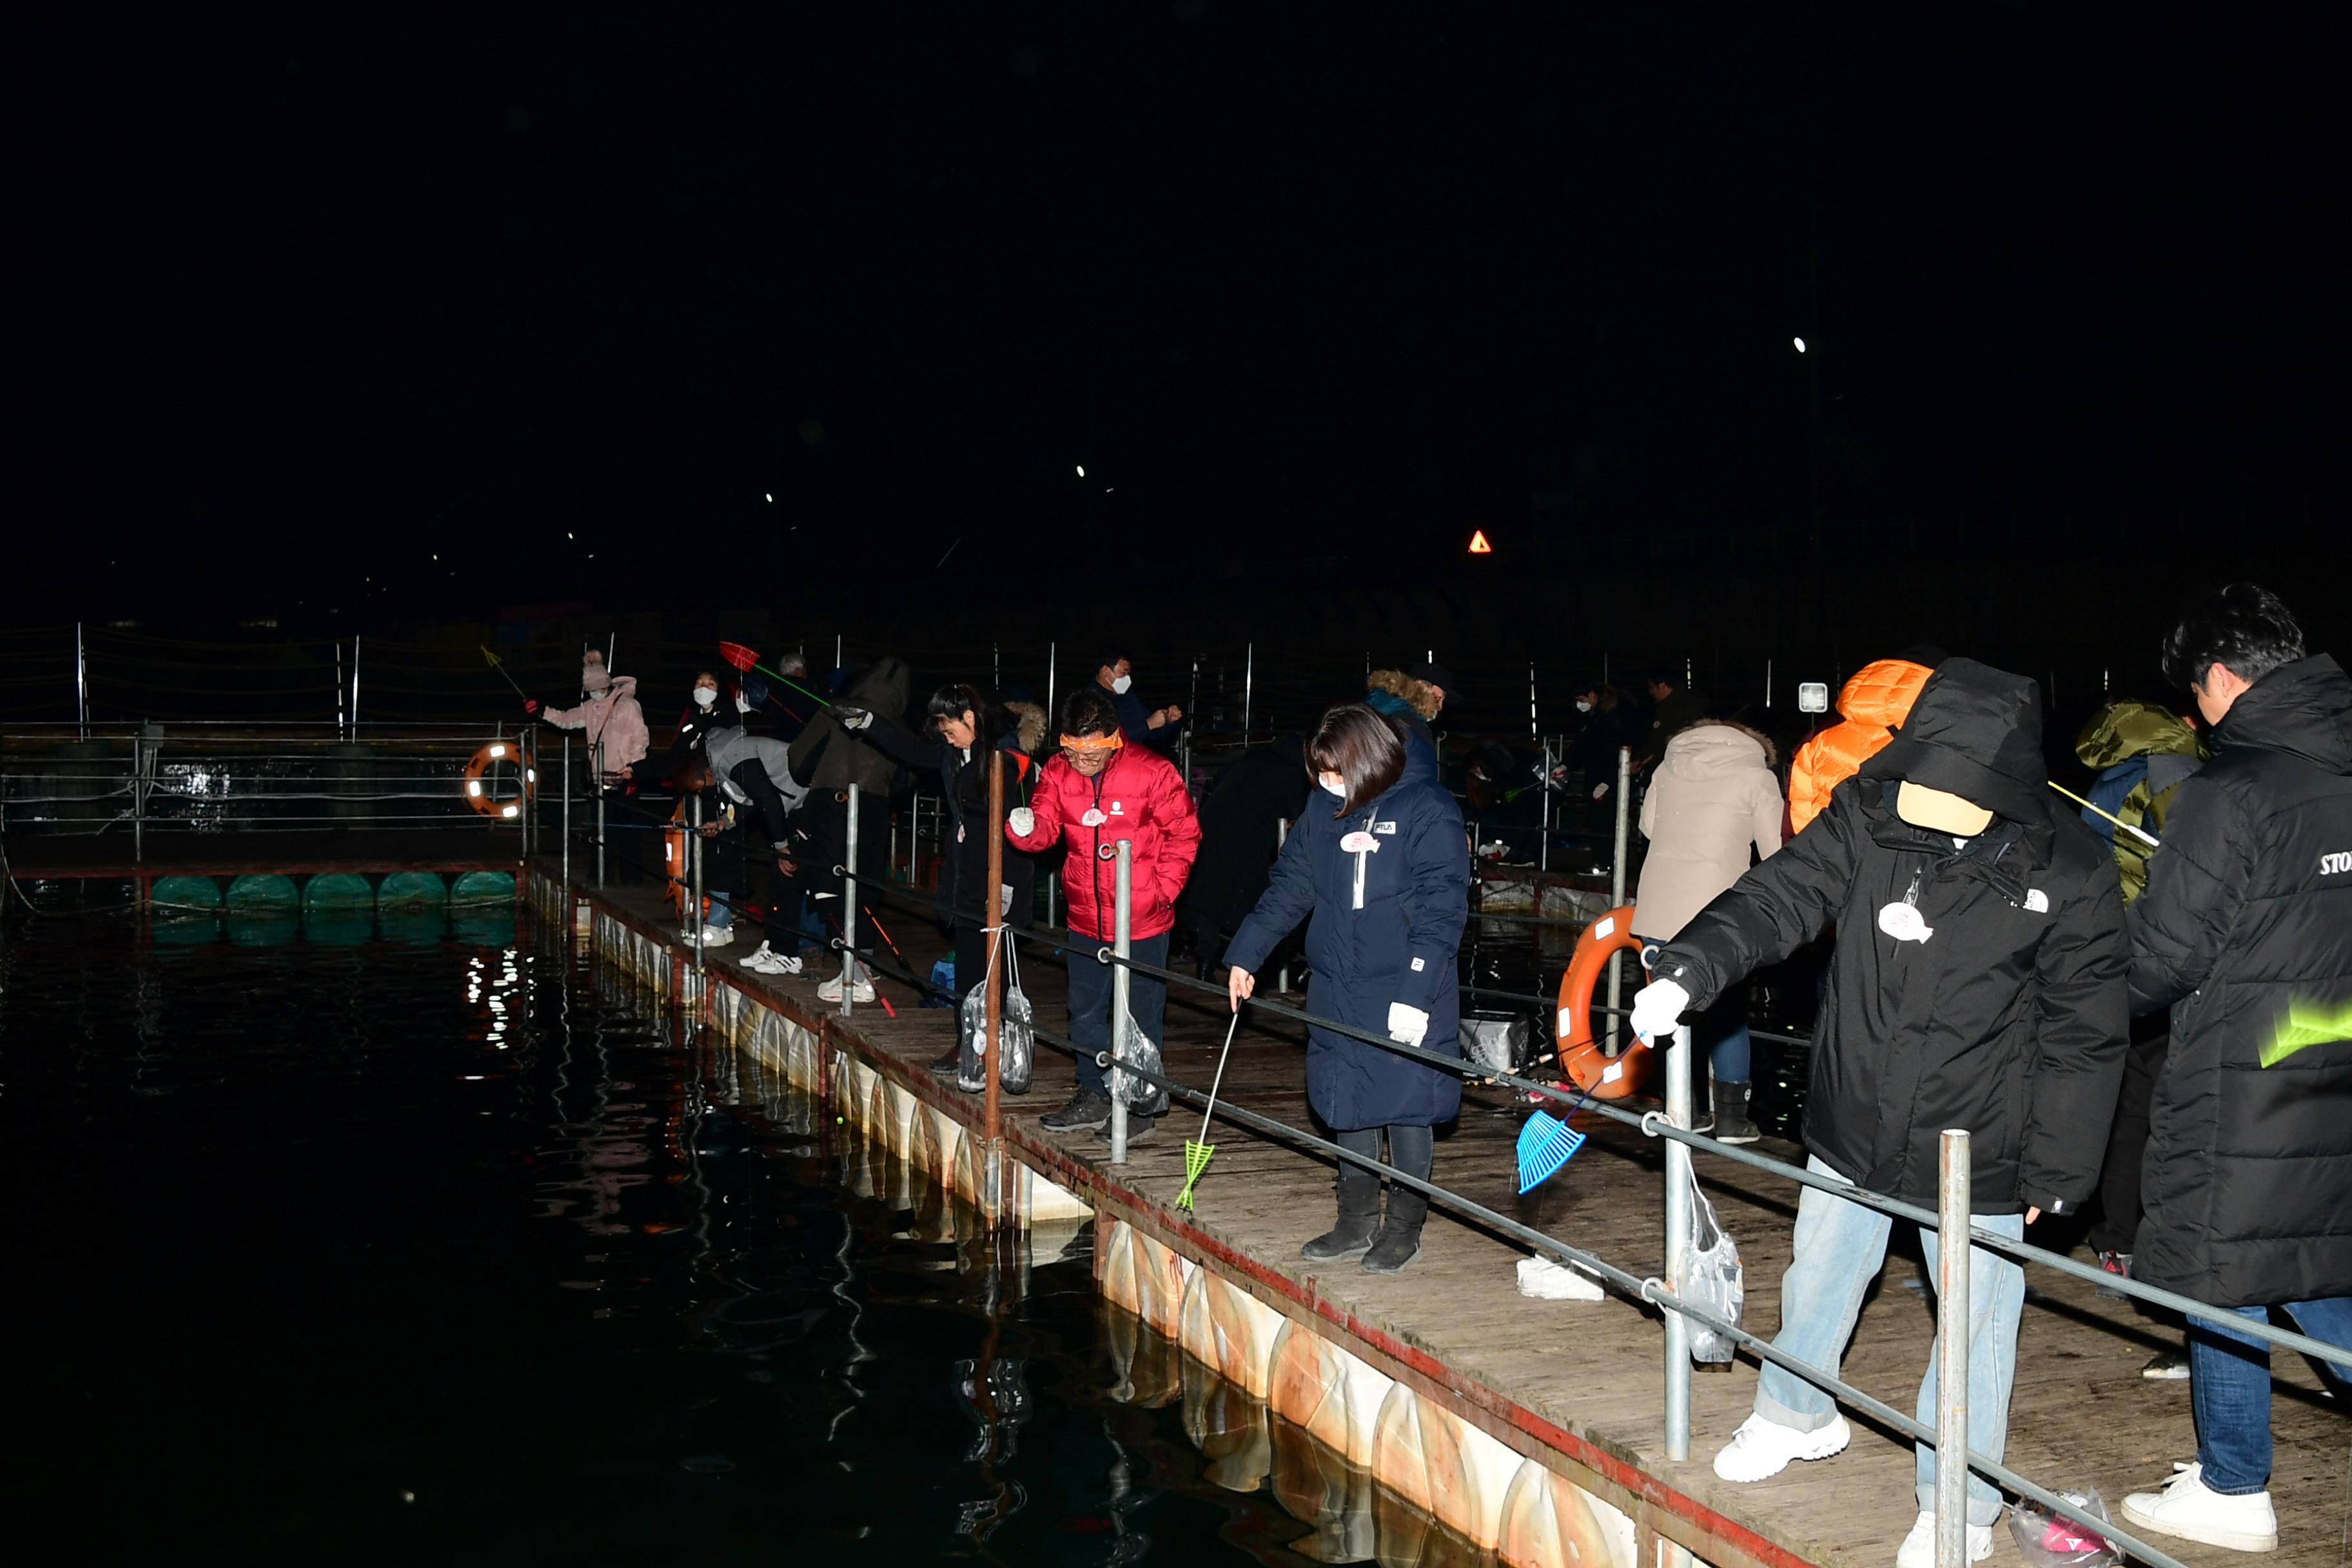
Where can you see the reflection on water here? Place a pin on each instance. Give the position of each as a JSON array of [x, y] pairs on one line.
[[407, 1236]]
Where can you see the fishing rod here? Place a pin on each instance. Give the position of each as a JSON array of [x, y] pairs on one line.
[[499, 665], [2142, 834]]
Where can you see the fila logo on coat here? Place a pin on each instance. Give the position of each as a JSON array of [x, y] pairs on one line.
[[2331, 864]]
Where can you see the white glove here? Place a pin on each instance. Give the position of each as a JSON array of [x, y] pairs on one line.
[[1021, 820], [1407, 1026], [742, 703], [1599, 790], [852, 718], [1656, 1007]]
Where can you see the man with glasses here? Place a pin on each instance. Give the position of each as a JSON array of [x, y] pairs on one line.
[[1097, 792]]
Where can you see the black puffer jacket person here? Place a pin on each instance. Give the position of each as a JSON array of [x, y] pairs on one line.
[[2007, 1019], [2245, 931]]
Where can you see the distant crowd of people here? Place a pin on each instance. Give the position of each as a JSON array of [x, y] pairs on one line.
[[2140, 1009]]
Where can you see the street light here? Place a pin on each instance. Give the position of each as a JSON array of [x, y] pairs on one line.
[[1082, 471], [1801, 345]]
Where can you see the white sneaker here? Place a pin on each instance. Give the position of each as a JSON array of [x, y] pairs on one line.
[[830, 991], [1918, 1548], [712, 936], [1546, 1280], [765, 960], [1761, 1447], [2192, 1511]]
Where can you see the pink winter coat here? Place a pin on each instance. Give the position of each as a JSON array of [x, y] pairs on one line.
[[611, 716], [1714, 795]]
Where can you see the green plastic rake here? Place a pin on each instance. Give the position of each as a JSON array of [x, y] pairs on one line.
[[1198, 1150]]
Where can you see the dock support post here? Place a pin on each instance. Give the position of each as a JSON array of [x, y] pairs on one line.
[[1121, 985], [996, 923], [694, 896], [1952, 1193], [1617, 887], [849, 901], [1679, 1222]]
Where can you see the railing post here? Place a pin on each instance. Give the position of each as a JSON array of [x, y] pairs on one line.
[[694, 891], [1952, 1314], [849, 902], [138, 800], [596, 769], [1617, 887], [1543, 827], [1121, 987], [1679, 1223], [567, 819], [1281, 837], [994, 914]]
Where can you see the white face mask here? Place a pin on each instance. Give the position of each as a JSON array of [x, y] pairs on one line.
[[1119, 683], [1582, 706], [704, 696], [1334, 784]]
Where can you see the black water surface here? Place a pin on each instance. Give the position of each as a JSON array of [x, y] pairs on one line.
[[426, 1242]]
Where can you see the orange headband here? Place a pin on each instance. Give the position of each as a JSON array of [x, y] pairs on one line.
[[1110, 742]]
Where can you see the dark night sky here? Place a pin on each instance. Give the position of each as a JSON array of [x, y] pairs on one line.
[[320, 293]]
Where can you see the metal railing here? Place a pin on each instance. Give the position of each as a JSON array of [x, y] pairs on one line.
[[1950, 1223]]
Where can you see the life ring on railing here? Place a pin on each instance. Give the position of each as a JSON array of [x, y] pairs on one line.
[[674, 863], [492, 753], [1580, 1056]]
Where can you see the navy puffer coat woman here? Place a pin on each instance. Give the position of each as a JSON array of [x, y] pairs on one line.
[[1387, 881]]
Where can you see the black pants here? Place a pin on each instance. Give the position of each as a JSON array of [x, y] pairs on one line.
[[2119, 1181], [1411, 1150], [766, 813]]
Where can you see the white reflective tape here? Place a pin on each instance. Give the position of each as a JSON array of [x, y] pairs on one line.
[[498, 751], [1604, 927], [1567, 1020], [511, 811], [473, 787], [1615, 1071]]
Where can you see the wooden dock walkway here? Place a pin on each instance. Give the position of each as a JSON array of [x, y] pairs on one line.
[[1587, 1378]]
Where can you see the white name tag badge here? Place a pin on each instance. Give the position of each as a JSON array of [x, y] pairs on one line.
[[1904, 922], [1360, 842], [1093, 818], [2037, 902]]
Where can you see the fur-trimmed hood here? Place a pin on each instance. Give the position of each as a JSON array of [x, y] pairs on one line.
[[1412, 693], [1028, 730]]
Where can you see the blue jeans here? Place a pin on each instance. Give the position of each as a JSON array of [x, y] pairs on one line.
[[1839, 1249], [1090, 992], [722, 914], [2230, 1387], [1722, 1031]]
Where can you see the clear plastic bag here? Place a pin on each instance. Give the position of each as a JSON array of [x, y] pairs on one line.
[[1143, 1096], [1013, 1032], [2050, 1540], [1714, 1281]]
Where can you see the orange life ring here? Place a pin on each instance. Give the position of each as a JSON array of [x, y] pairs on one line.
[[492, 753], [1580, 1056], [674, 860]]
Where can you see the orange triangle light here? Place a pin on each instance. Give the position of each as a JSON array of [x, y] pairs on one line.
[[1478, 545]]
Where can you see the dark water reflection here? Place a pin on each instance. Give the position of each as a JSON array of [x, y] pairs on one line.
[[413, 1240]]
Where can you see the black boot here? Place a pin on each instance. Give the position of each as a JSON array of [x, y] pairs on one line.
[[1359, 1203], [1731, 1124], [949, 1065], [1411, 1150]]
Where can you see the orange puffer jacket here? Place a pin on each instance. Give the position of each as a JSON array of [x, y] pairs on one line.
[[1876, 700]]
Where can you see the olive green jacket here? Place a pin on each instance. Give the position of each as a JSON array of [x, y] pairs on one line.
[[2129, 729]]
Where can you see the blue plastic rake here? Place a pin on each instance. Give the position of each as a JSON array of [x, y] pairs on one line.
[[1546, 1143]]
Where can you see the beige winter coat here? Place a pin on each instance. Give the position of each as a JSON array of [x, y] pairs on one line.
[[1714, 795]]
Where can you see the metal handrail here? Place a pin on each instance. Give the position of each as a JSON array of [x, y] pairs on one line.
[[1952, 1326]]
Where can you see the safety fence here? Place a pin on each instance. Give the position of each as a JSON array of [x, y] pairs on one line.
[[150, 779], [1949, 1221]]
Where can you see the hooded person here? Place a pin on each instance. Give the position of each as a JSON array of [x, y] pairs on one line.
[[1714, 796], [1873, 702], [2144, 752], [1378, 862], [831, 756], [2244, 933], [614, 724], [1241, 816], [1978, 982], [1412, 703]]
